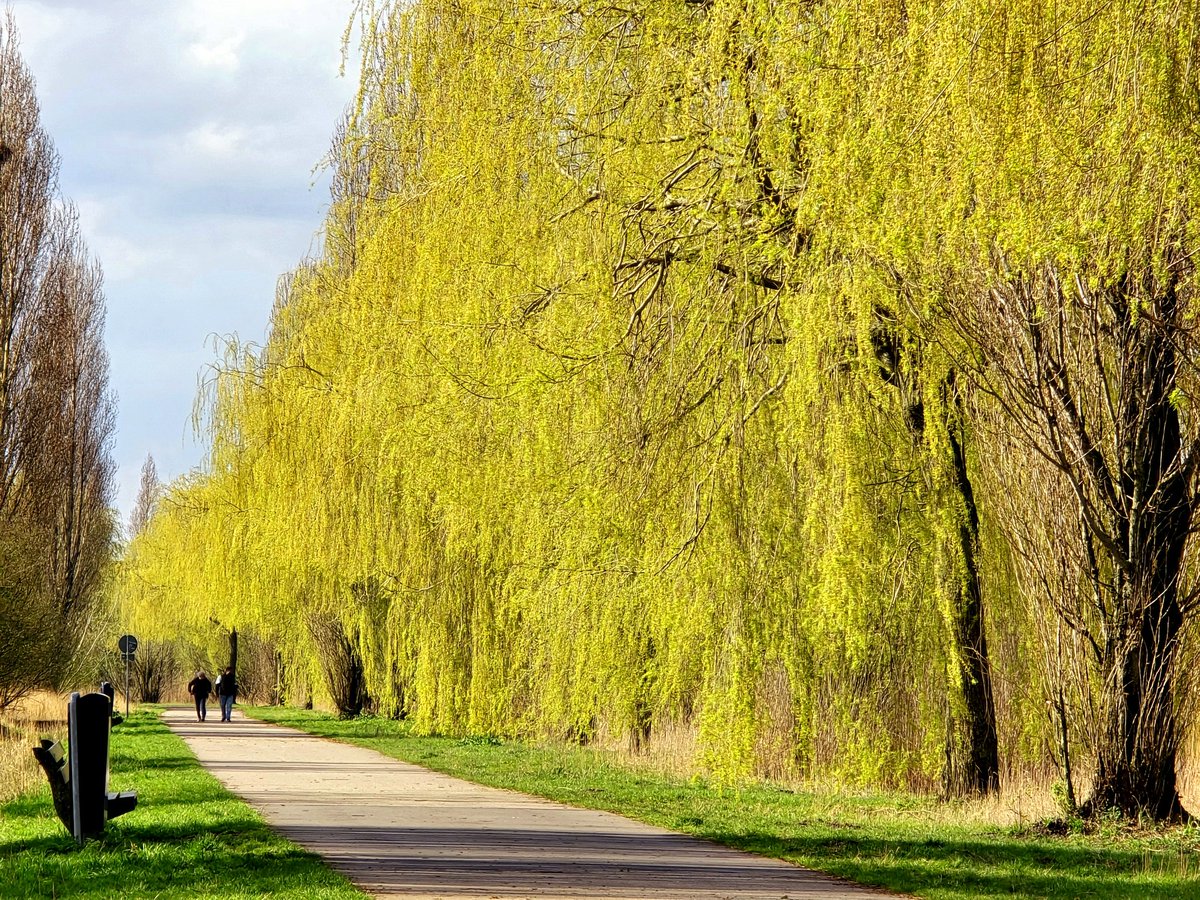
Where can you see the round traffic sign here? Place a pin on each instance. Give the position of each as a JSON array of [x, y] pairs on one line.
[[127, 644]]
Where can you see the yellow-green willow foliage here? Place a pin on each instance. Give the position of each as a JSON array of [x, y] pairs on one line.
[[1030, 176], [625, 394]]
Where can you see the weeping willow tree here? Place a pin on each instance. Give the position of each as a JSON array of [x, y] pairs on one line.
[[660, 369], [1051, 248]]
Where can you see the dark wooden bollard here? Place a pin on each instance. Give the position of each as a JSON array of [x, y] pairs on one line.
[[79, 782], [54, 763]]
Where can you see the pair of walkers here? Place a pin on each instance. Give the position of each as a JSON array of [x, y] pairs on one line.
[[200, 687]]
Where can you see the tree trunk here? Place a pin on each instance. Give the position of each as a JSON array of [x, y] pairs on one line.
[[341, 664], [1138, 748], [972, 745], [1136, 756], [1091, 374], [981, 754]]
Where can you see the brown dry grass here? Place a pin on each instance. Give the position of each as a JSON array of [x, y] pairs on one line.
[[1029, 792], [39, 715], [672, 750], [1026, 796]]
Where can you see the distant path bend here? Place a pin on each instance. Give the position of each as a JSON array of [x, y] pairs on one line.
[[397, 830]]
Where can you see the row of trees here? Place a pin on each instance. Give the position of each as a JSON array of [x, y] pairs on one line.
[[817, 377], [56, 411]]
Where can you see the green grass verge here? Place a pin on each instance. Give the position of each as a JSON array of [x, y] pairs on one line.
[[187, 838], [909, 844]]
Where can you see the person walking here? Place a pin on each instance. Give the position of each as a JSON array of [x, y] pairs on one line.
[[200, 687], [226, 692]]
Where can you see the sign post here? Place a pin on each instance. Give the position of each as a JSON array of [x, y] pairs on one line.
[[128, 647]]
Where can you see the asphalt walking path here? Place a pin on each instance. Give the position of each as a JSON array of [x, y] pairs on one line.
[[397, 830]]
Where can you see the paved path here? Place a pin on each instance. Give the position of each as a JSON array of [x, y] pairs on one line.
[[397, 830]]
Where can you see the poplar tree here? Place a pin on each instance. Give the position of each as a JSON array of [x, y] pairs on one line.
[[56, 413], [149, 491]]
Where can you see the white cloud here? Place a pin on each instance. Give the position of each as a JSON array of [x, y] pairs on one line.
[[222, 55], [188, 133], [214, 140]]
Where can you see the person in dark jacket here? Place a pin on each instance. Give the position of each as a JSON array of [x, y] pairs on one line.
[[200, 687], [226, 692]]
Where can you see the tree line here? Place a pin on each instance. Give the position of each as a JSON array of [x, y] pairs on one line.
[[57, 413], [816, 379]]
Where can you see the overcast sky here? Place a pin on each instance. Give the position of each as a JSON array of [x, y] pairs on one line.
[[190, 133]]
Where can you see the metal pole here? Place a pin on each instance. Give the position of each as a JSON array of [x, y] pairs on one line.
[[127, 685]]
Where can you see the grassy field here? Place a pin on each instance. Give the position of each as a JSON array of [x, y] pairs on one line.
[[187, 838], [909, 844]]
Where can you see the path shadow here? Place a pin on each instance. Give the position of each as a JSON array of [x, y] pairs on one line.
[[523, 862]]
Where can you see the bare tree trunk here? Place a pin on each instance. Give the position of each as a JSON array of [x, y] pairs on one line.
[[1137, 755], [1088, 381]]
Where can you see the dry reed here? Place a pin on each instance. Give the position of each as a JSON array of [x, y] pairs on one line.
[[39, 715]]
